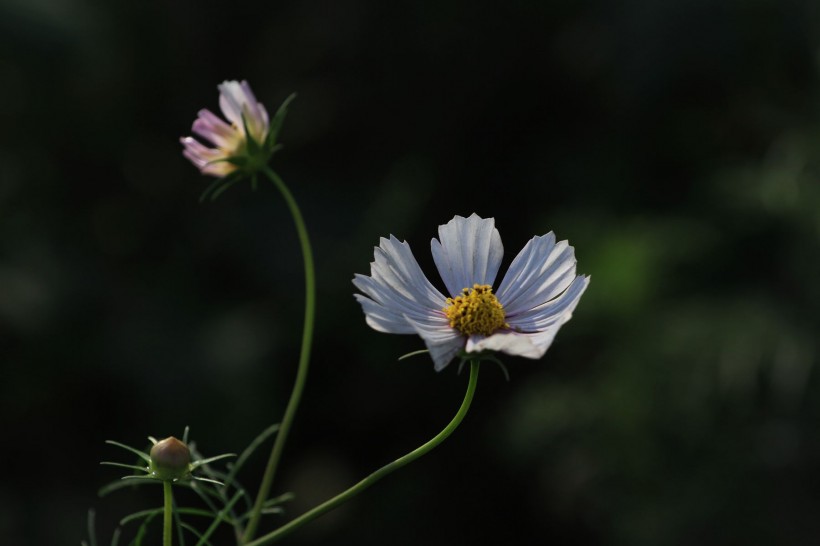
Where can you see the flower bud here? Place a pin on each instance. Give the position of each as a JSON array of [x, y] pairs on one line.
[[170, 460]]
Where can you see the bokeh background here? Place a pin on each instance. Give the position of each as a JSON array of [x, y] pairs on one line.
[[675, 144]]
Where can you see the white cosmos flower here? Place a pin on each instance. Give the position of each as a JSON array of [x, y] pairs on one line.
[[536, 296]]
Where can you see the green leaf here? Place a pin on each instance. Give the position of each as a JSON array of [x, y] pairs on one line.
[[203, 540], [281, 499], [259, 440], [193, 531], [144, 529], [114, 486], [219, 191]]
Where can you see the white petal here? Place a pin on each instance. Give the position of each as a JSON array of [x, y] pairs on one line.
[[383, 319], [508, 342], [443, 342], [542, 270], [556, 311], [470, 252], [231, 99], [397, 290], [516, 344], [237, 100], [543, 324]]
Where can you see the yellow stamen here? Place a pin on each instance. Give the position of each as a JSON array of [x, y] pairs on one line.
[[476, 311]]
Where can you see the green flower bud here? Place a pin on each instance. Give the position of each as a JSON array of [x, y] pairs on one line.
[[171, 460]]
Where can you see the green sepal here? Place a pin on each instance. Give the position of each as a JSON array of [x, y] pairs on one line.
[[238, 160], [140, 454], [466, 357], [201, 462], [414, 353], [253, 147], [129, 466], [208, 480], [148, 477], [277, 121]]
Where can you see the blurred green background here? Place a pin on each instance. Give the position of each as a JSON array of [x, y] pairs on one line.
[[674, 144]]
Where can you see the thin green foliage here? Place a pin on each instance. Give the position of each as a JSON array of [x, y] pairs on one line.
[[219, 519], [178, 521], [193, 531], [92, 528], [153, 512], [92, 532], [143, 529], [243, 457]]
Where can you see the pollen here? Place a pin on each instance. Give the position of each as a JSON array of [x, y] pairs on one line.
[[475, 311]]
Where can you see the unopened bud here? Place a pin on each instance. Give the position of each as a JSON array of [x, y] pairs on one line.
[[170, 459]]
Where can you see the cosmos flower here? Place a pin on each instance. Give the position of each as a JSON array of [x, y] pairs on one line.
[[242, 141], [521, 317]]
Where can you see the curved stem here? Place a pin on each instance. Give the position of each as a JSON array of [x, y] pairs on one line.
[[168, 512], [304, 357], [288, 528]]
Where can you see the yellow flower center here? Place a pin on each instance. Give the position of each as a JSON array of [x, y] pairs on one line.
[[476, 311]]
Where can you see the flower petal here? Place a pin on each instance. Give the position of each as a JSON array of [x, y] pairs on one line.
[[382, 318], [542, 270], [231, 98], [512, 343], [398, 291], [533, 332], [443, 342], [237, 100], [555, 311], [470, 252], [207, 160], [210, 127], [532, 345]]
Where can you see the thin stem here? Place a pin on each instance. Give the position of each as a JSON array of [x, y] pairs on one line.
[[288, 528], [304, 357], [168, 513]]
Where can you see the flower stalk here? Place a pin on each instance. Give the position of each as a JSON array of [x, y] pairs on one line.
[[167, 513], [304, 357], [343, 497]]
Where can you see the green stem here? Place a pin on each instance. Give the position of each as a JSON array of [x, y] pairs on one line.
[[288, 528], [304, 357], [168, 512]]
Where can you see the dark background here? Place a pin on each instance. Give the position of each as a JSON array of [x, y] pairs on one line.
[[673, 143]]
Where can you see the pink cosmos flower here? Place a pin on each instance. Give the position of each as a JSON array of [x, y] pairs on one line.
[[235, 141]]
